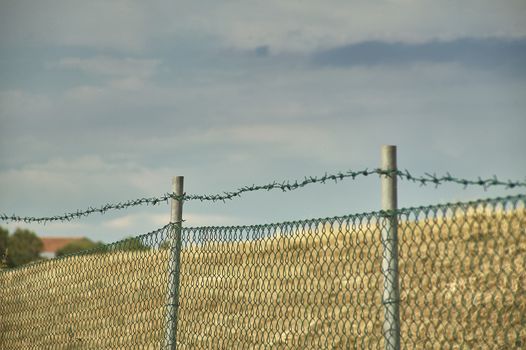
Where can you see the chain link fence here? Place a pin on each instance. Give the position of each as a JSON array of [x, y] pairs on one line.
[[314, 284]]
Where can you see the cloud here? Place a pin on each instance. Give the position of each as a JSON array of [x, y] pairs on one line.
[[119, 75], [132, 221], [115, 25], [194, 219], [299, 26], [80, 180], [131, 84], [233, 93], [285, 26], [85, 93], [111, 66], [276, 113], [23, 103], [467, 51], [262, 51]]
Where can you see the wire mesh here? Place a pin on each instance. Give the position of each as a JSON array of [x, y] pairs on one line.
[[300, 285]]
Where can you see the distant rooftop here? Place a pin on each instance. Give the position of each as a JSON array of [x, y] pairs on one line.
[[52, 244]]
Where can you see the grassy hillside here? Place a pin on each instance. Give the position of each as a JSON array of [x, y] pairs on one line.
[[308, 285]]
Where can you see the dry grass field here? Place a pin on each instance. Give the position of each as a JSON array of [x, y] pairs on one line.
[[307, 286]]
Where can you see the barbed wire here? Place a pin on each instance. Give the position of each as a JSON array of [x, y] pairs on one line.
[[423, 180], [284, 186]]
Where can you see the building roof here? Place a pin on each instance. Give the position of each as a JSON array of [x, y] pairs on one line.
[[52, 244]]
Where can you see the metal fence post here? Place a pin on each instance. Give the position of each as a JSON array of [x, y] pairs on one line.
[[391, 293], [174, 265]]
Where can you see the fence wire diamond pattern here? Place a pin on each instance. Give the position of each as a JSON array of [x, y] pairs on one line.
[[314, 284]]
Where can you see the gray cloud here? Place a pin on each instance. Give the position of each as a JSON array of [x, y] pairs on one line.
[[495, 53], [297, 26], [262, 51], [101, 104]]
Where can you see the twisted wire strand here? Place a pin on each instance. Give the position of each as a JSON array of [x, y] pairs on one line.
[[284, 186]]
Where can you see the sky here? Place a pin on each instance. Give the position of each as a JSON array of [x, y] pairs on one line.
[[105, 101]]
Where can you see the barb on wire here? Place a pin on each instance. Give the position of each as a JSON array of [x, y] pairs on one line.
[[91, 210], [405, 175], [284, 186]]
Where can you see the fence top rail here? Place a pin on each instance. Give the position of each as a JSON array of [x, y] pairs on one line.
[[512, 200], [285, 186], [515, 202]]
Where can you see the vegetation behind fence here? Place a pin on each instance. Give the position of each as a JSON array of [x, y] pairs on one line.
[[307, 284]]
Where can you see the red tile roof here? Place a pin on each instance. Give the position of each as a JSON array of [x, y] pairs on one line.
[[52, 244]]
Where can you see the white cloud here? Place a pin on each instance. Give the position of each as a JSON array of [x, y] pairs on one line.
[[16, 103], [135, 26], [191, 219], [61, 185], [132, 221], [71, 182], [283, 140], [308, 25], [200, 219], [85, 93], [123, 75], [315, 114], [250, 120], [111, 66], [118, 25], [131, 84]]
